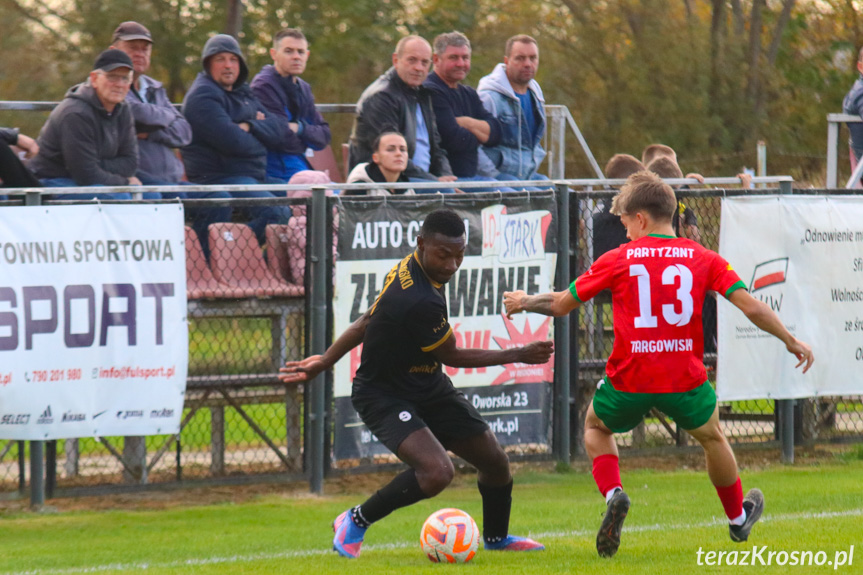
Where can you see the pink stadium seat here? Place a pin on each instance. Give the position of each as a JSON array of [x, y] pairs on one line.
[[200, 282], [325, 161], [283, 246], [237, 260]]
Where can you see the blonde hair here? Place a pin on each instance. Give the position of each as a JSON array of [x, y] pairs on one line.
[[645, 192]]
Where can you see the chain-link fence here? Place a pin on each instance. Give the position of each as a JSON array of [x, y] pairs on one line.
[[248, 313]]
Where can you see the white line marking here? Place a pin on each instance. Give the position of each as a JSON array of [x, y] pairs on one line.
[[384, 546]]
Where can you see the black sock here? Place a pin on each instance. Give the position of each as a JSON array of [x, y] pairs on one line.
[[496, 505], [402, 491]]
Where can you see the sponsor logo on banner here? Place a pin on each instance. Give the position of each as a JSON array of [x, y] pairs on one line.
[[69, 417], [514, 238], [766, 275], [161, 413], [130, 413], [45, 417], [15, 419], [769, 273]]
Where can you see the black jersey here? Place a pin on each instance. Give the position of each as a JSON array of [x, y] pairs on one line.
[[408, 321]]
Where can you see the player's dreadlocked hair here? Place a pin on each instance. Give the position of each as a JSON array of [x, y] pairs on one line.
[[445, 222]]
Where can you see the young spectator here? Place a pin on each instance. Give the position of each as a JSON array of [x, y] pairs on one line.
[[89, 138], [397, 101], [161, 128], [685, 222], [639, 376], [389, 160], [512, 95], [464, 124], [231, 130], [608, 232], [655, 151], [289, 99]]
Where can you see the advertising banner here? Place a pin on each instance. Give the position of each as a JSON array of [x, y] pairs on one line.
[[802, 256], [512, 244], [93, 332]]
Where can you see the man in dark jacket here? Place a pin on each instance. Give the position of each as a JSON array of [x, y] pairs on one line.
[[161, 128], [89, 138], [13, 173], [398, 102], [289, 99], [231, 130]]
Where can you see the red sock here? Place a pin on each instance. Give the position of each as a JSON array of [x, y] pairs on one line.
[[606, 473], [732, 499]]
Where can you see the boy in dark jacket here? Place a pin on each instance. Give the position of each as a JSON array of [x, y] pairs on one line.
[[289, 99]]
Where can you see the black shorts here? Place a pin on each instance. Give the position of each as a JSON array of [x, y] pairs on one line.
[[449, 416]]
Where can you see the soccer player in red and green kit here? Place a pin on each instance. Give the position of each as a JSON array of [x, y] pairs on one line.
[[658, 283]]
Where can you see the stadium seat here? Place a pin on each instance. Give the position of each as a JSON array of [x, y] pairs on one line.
[[325, 161], [237, 260], [200, 282], [283, 246]]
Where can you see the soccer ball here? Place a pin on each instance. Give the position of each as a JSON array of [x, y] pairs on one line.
[[450, 535]]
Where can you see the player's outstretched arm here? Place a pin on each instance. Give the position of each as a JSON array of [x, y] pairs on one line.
[[552, 303], [762, 316], [308, 368], [536, 352]]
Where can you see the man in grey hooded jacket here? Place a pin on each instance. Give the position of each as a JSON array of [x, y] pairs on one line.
[[514, 97]]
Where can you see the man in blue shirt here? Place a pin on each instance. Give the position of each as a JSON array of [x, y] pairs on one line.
[[853, 104], [512, 95], [398, 102]]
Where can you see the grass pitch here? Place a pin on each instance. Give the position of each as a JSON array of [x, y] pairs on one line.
[[815, 508]]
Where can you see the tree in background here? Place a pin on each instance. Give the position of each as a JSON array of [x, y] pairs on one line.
[[708, 77]]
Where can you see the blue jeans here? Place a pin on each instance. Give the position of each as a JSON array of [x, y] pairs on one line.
[[430, 191], [201, 217], [70, 183], [504, 177], [258, 216], [484, 179]]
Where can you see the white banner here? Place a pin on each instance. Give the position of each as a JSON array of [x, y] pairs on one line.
[[802, 256], [93, 331]]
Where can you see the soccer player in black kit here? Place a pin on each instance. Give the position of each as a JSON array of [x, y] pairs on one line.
[[405, 399]]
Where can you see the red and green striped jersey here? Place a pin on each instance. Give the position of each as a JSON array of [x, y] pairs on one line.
[[658, 285]]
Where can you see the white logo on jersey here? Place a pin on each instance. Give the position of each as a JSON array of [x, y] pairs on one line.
[[405, 416]]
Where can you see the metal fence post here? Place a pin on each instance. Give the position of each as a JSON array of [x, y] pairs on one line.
[[318, 289], [786, 428], [832, 153], [561, 334], [37, 474]]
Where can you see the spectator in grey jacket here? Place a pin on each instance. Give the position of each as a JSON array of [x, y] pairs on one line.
[[161, 128], [13, 173], [89, 138]]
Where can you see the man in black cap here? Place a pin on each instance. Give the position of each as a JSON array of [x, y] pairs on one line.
[[160, 128], [89, 138]]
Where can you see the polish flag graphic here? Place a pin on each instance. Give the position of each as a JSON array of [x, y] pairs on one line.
[[769, 273]]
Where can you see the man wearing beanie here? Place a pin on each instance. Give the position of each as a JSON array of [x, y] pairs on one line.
[[89, 138], [231, 130]]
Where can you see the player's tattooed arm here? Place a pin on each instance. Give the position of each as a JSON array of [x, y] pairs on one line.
[[308, 368], [552, 303]]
